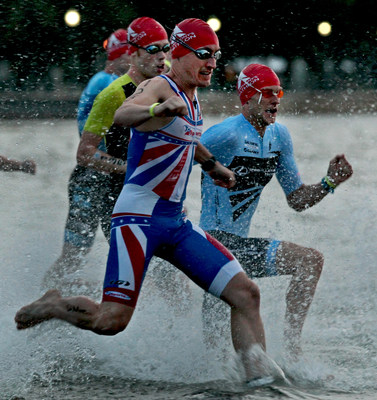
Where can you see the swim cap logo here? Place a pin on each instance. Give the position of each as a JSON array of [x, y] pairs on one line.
[[245, 81], [134, 36], [185, 37], [113, 41]]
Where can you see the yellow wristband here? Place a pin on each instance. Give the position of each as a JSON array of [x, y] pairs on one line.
[[151, 109]]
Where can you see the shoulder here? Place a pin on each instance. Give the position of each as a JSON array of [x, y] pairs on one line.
[[118, 83], [101, 78], [279, 133], [158, 83], [155, 88], [229, 128], [114, 89], [230, 124], [280, 130]]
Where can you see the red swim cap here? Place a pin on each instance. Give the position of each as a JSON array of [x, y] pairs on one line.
[[144, 31], [255, 76], [116, 44], [195, 32]]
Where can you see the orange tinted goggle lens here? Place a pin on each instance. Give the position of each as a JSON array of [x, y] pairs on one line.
[[270, 93]]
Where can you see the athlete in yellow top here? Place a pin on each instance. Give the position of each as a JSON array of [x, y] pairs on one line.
[[148, 50]]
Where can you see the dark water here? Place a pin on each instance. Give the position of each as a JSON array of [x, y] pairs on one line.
[[161, 355]]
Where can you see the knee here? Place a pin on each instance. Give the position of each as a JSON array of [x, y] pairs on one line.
[[249, 295], [110, 329]]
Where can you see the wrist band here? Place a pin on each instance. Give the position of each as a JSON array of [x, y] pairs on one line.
[[151, 109], [209, 164], [327, 184]]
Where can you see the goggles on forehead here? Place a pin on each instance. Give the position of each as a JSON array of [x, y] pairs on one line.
[[267, 93], [202, 54], [152, 48]]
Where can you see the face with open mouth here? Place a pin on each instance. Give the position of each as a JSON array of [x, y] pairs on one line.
[[152, 64], [264, 105]]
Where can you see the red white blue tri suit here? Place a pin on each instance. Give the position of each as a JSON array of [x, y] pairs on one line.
[[147, 218]]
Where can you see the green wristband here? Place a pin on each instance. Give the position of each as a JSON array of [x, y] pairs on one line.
[[151, 109], [328, 181]]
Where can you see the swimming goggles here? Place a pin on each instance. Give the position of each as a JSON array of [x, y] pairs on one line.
[[152, 48], [202, 54], [266, 93]]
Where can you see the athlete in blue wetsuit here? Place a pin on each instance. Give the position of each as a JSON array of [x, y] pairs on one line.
[[256, 148], [86, 187]]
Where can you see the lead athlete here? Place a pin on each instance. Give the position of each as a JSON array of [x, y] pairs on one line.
[[256, 147], [98, 178], [166, 122]]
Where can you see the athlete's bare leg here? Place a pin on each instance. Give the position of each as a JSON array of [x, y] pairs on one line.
[[305, 266], [107, 318], [247, 329]]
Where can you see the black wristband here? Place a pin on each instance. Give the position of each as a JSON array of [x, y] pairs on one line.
[[209, 164]]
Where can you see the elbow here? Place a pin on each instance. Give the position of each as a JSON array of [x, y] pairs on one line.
[[117, 117], [120, 118], [83, 158]]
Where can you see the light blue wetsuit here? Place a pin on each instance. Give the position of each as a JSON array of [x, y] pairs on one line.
[[226, 214], [254, 160]]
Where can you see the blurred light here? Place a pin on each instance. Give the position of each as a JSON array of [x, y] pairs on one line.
[[324, 28], [214, 23], [277, 63], [348, 66], [72, 17]]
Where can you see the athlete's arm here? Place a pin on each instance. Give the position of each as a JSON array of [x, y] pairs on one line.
[[307, 196], [221, 175], [135, 111], [8, 165], [88, 155]]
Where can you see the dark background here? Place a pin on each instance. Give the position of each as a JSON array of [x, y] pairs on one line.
[[34, 37]]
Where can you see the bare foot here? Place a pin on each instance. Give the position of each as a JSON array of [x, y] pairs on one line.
[[36, 312]]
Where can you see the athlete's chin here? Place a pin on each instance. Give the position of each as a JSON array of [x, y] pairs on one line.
[[270, 118], [204, 82]]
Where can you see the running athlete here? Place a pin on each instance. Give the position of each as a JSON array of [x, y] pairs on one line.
[[98, 178], [255, 148], [117, 64], [166, 122]]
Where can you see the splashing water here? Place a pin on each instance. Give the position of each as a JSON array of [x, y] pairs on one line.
[[162, 353]]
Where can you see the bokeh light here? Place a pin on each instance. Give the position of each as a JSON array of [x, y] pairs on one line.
[[214, 23], [324, 28], [72, 17]]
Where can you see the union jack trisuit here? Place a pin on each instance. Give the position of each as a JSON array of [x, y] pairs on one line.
[[148, 220]]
